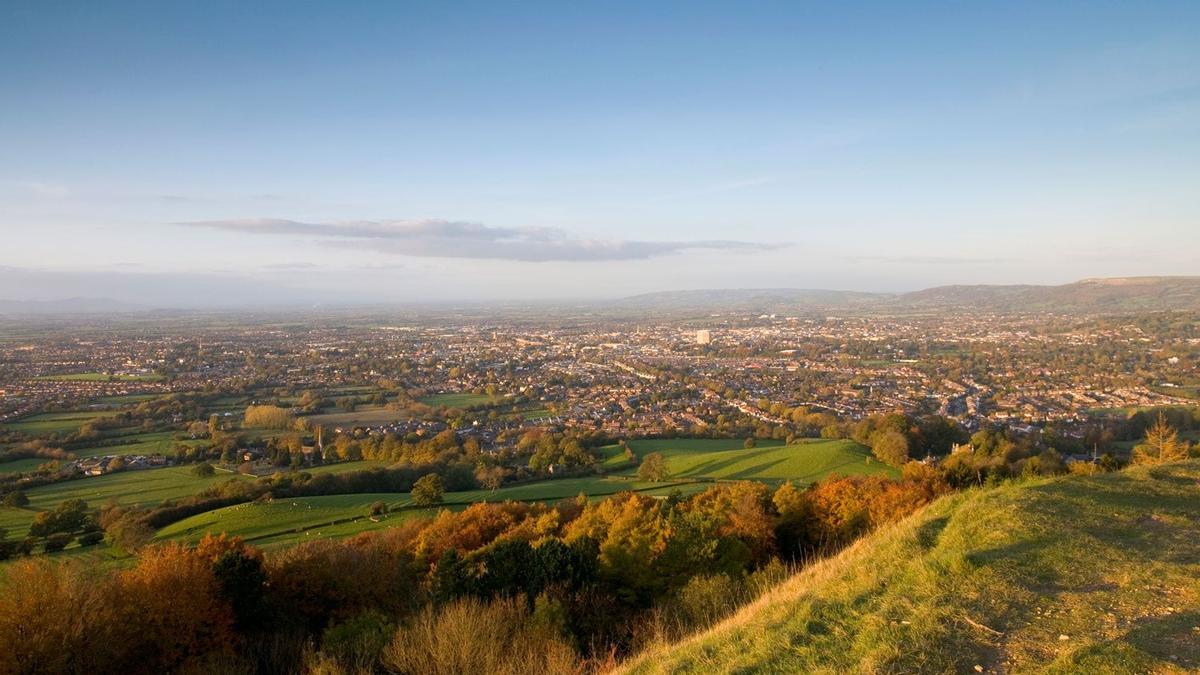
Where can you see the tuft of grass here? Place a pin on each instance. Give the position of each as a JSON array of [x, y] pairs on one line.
[[1073, 574]]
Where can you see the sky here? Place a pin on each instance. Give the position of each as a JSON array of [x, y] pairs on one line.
[[232, 153]]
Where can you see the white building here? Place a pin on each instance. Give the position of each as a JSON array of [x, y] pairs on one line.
[[703, 337]]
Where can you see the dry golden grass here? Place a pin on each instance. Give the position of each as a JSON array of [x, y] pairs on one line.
[[471, 636]]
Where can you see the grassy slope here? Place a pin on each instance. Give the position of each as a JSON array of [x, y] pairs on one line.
[[1074, 574], [771, 461]]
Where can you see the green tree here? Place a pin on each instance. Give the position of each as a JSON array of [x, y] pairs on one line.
[[891, 447], [203, 470], [128, 533], [68, 516], [242, 582], [16, 499], [428, 490], [653, 468]]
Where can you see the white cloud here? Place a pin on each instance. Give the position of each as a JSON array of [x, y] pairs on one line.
[[458, 239]]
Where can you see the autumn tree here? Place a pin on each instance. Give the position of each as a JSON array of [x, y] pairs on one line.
[[1161, 444], [267, 417]]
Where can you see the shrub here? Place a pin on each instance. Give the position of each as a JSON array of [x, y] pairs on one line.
[[129, 533], [91, 538], [57, 542], [358, 641], [203, 470], [469, 636], [428, 490], [16, 499]]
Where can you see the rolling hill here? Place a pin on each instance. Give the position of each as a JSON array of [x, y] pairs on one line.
[[1120, 294], [1073, 574], [1094, 296]]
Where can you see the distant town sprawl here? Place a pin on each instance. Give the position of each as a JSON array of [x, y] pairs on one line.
[[627, 377]]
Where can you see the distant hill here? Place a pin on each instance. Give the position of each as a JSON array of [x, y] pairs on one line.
[[1074, 574], [1124, 294], [752, 298], [1120, 294], [67, 306]]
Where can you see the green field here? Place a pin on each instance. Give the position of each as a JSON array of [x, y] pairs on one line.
[[22, 465], [694, 463], [146, 487], [56, 422], [126, 399], [1074, 574], [364, 416], [101, 377], [142, 443], [343, 467], [461, 400], [529, 414], [804, 462], [290, 521]]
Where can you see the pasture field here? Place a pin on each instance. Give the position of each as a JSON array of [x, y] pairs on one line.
[[364, 416], [804, 462], [529, 413], [461, 400], [22, 465], [56, 422], [291, 521], [126, 399], [101, 377], [343, 467], [146, 487], [287, 521], [147, 443]]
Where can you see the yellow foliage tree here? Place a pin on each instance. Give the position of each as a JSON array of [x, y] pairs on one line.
[[267, 417], [1161, 444]]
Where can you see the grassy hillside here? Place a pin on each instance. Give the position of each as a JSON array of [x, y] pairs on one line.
[[1096, 574], [771, 461]]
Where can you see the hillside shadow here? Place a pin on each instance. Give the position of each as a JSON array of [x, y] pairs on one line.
[[1122, 492], [757, 469], [1171, 639], [714, 465], [929, 533]]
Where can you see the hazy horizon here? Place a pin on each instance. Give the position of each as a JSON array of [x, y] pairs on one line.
[[231, 155]]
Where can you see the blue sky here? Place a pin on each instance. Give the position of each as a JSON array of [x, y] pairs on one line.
[[203, 153]]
